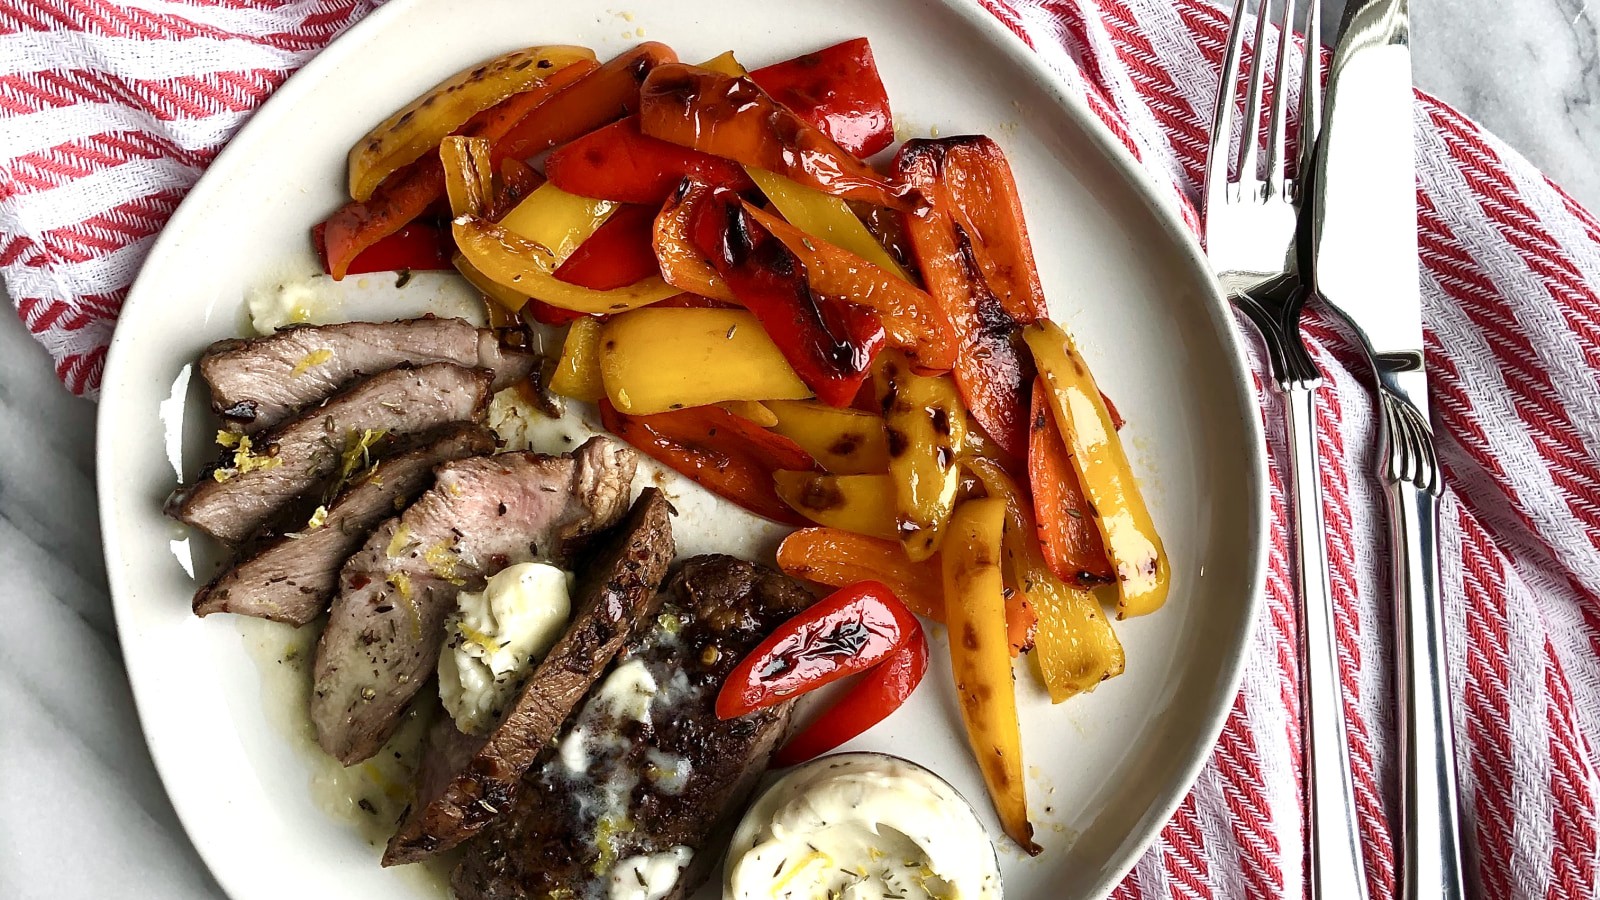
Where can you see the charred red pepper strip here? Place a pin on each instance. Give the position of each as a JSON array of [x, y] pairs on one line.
[[993, 369], [830, 342], [618, 162], [848, 631], [619, 253], [735, 119], [838, 90], [608, 93], [545, 314], [724, 453], [419, 246], [880, 691], [1068, 535], [410, 190]]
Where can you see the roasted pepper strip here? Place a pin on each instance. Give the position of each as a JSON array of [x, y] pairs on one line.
[[1067, 534], [577, 373], [846, 632], [754, 411], [620, 163], [735, 119], [411, 190], [724, 454], [605, 94], [831, 343], [838, 90], [863, 504], [419, 246], [844, 441], [659, 359], [1072, 642], [556, 220], [417, 127], [992, 369], [513, 261], [911, 319], [975, 612], [836, 557], [513, 182], [826, 217], [880, 691], [468, 179], [1115, 502], [619, 253], [927, 427], [682, 265]]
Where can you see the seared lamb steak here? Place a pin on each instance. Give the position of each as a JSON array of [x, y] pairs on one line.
[[269, 470], [646, 767], [386, 626], [290, 577], [259, 382], [620, 585]]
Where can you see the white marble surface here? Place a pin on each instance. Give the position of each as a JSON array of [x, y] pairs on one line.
[[82, 813]]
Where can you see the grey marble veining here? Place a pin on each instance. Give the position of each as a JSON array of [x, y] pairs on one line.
[[82, 813]]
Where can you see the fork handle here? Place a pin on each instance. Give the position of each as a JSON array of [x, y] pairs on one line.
[[1431, 857], [1338, 870]]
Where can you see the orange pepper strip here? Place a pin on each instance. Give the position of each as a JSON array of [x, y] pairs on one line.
[[836, 557], [610, 93], [735, 119], [911, 318], [411, 189], [1068, 535], [682, 266]]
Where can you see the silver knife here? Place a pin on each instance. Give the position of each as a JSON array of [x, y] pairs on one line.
[[1364, 263]]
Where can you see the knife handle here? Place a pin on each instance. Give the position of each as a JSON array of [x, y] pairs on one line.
[[1431, 860], [1337, 867]]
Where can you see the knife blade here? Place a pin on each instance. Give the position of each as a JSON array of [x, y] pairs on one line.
[[1363, 262]]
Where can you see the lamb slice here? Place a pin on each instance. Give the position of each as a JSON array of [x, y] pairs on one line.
[[386, 625], [279, 465], [258, 382], [646, 769], [620, 586], [290, 577]]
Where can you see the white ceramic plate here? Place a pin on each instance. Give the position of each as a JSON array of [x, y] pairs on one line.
[[1105, 770]]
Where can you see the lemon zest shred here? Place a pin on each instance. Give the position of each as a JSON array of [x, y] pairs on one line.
[[314, 358]]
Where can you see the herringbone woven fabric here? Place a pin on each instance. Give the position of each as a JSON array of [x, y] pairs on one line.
[[109, 112]]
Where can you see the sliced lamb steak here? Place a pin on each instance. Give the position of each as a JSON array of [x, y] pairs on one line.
[[290, 577], [620, 587], [386, 625], [646, 767], [279, 465], [259, 382]]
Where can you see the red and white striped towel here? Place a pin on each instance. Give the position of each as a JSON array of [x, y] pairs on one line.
[[108, 114]]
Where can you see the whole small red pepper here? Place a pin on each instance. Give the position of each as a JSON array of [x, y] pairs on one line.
[[830, 342], [880, 691], [618, 254], [419, 246], [621, 163], [838, 90], [726, 454], [849, 631]]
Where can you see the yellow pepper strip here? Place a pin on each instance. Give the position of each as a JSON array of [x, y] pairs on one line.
[[863, 504], [844, 441], [577, 372], [655, 360], [526, 267], [824, 217], [1073, 643], [1140, 562], [725, 64], [557, 220], [506, 302], [927, 426], [911, 318], [420, 125], [975, 612], [752, 410], [468, 174]]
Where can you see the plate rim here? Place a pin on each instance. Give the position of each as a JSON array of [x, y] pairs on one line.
[[974, 15]]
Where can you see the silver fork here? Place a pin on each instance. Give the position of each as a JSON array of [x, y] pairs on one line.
[[1250, 238]]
